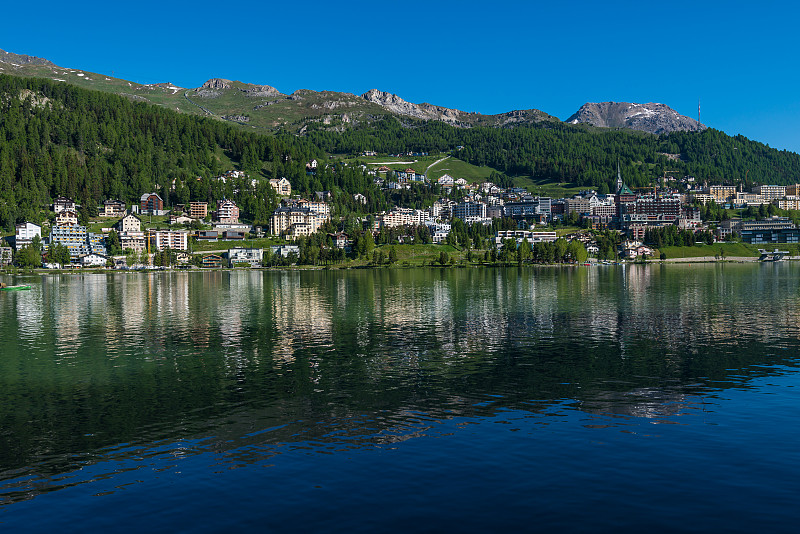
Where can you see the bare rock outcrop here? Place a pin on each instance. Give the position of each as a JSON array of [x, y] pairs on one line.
[[651, 117], [424, 111], [261, 91], [217, 83]]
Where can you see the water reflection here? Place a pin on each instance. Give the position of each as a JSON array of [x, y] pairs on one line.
[[153, 368]]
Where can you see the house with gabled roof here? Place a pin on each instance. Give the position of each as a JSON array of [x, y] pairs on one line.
[[282, 186], [112, 208], [129, 223], [63, 203], [66, 218], [151, 204]]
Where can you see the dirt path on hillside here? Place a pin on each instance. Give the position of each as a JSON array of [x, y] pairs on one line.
[[438, 161]]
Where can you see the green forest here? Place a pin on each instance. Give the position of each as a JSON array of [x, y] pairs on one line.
[[582, 155], [57, 139]]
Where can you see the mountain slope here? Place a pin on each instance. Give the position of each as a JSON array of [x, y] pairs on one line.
[[22, 59], [165, 94], [264, 106], [59, 139], [651, 117]]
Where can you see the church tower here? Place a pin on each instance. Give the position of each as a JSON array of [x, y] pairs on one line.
[[619, 178]]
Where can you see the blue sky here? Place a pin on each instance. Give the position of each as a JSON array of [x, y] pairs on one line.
[[739, 58]]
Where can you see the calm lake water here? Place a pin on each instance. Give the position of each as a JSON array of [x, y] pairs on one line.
[[620, 399]]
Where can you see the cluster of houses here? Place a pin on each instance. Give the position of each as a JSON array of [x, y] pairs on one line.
[[629, 212], [402, 179], [625, 210], [295, 218], [90, 249], [785, 197], [250, 257], [771, 230]]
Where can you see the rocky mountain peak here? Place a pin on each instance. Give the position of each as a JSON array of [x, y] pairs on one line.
[[383, 98], [652, 117]]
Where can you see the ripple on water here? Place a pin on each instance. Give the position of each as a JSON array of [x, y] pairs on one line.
[[504, 390]]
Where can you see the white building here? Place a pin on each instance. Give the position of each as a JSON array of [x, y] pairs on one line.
[[251, 256], [129, 223], [25, 232], [285, 250], [66, 218], [770, 192], [172, 239], [524, 235], [282, 186], [446, 180], [112, 208], [93, 260], [401, 217]]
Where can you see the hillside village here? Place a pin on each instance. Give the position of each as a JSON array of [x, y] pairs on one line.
[[506, 224]]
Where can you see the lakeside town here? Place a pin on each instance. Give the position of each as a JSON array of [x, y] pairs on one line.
[[486, 223]]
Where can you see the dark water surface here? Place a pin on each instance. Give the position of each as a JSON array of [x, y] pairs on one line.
[[619, 399]]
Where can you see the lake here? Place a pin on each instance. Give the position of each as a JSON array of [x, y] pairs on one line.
[[574, 399]]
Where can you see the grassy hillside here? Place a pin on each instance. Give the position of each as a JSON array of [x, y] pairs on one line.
[[547, 188], [460, 169], [438, 165], [163, 94]]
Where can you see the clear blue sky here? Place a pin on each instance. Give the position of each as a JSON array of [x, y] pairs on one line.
[[739, 58]]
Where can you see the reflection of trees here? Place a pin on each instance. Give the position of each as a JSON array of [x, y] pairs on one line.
[[373, 357]]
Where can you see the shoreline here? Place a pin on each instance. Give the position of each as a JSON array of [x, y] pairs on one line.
[[698, 259]]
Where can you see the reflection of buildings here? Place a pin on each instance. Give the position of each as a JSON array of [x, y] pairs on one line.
[[78, 303], [389, 353], [302, 316], [30, 315], [235, 306], [405, 324]]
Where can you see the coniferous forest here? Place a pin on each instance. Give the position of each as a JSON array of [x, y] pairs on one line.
[[57, 139], [579, 154]]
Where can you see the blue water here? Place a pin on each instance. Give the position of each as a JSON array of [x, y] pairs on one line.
[[657, 398]]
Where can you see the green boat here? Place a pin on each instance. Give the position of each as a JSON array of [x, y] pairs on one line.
[[4, 287]]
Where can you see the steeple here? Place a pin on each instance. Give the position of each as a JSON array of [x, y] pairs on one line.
[[622, 189]]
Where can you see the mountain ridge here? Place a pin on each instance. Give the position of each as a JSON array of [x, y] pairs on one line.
[[265, 107]]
